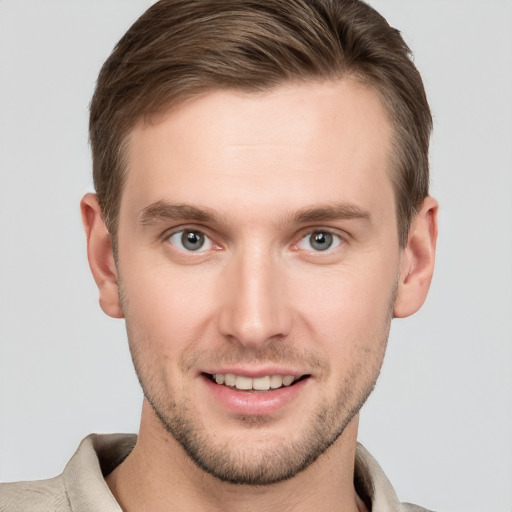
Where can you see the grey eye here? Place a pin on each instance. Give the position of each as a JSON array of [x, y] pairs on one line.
[[192, 240], [319, 241], [188, 240]]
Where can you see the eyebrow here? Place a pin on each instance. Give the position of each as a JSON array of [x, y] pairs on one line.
[[336, 211], [161, 211]]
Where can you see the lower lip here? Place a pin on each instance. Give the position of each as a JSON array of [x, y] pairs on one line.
[[255, 403]]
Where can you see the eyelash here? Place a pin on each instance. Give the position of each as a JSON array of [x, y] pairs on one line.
[[333, 237], [176, 238]]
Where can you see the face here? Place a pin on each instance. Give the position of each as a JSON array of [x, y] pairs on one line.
[[258, 261]]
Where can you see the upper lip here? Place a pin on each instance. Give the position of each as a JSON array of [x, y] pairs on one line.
[[254, 373]]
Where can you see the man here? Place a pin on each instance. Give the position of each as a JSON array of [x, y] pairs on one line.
[[261, 213]]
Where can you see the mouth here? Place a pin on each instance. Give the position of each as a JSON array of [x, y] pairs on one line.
[[249, 384]]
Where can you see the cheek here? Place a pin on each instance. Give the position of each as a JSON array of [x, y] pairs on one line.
[[347, 300], [348, 314], [167, 305]]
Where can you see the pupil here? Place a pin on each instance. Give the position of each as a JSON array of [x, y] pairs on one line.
[[192, 240], [321, 241]]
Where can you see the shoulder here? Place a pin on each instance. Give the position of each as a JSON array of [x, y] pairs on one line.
[[81, 486], [34, 496], [373, 486], [409, 507]]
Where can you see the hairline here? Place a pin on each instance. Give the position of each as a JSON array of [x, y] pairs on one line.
[[167, 107]]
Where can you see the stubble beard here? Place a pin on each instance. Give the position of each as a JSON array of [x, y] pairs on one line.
[[230, 461], [267, 462], [280, 460]]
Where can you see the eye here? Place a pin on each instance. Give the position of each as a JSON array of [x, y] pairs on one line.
[[319, 241], [190, 240]]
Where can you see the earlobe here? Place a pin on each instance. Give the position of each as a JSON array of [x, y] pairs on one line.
[[101, 256], [417, 265]]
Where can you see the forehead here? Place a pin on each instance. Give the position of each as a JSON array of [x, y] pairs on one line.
[[293, 145]]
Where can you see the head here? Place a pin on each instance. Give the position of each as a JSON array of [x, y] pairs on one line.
[[262, 213], [180, 49]]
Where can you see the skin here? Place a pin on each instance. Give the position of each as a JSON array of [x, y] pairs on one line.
[[269, 169]]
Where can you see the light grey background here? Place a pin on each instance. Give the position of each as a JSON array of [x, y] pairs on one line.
[[440, 420]]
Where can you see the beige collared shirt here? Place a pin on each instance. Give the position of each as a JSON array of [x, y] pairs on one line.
[[82, 488]]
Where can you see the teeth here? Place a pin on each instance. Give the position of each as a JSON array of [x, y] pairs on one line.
[[276, 381], [258, 383], [261, 383], [243, 383], [229, 379], [287, 380]]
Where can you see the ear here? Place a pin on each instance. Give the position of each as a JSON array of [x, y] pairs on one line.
[[417, 264], [101, 256]]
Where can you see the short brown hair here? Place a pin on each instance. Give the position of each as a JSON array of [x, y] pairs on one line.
[[180, 48]]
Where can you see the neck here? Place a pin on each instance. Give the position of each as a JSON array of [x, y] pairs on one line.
[[159, 475]]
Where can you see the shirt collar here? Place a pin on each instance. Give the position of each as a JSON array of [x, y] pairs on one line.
[[99, 454]]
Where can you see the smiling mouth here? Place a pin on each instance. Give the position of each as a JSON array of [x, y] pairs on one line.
[[243, 383]]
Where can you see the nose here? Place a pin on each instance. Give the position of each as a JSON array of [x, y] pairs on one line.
[[255, 307]]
